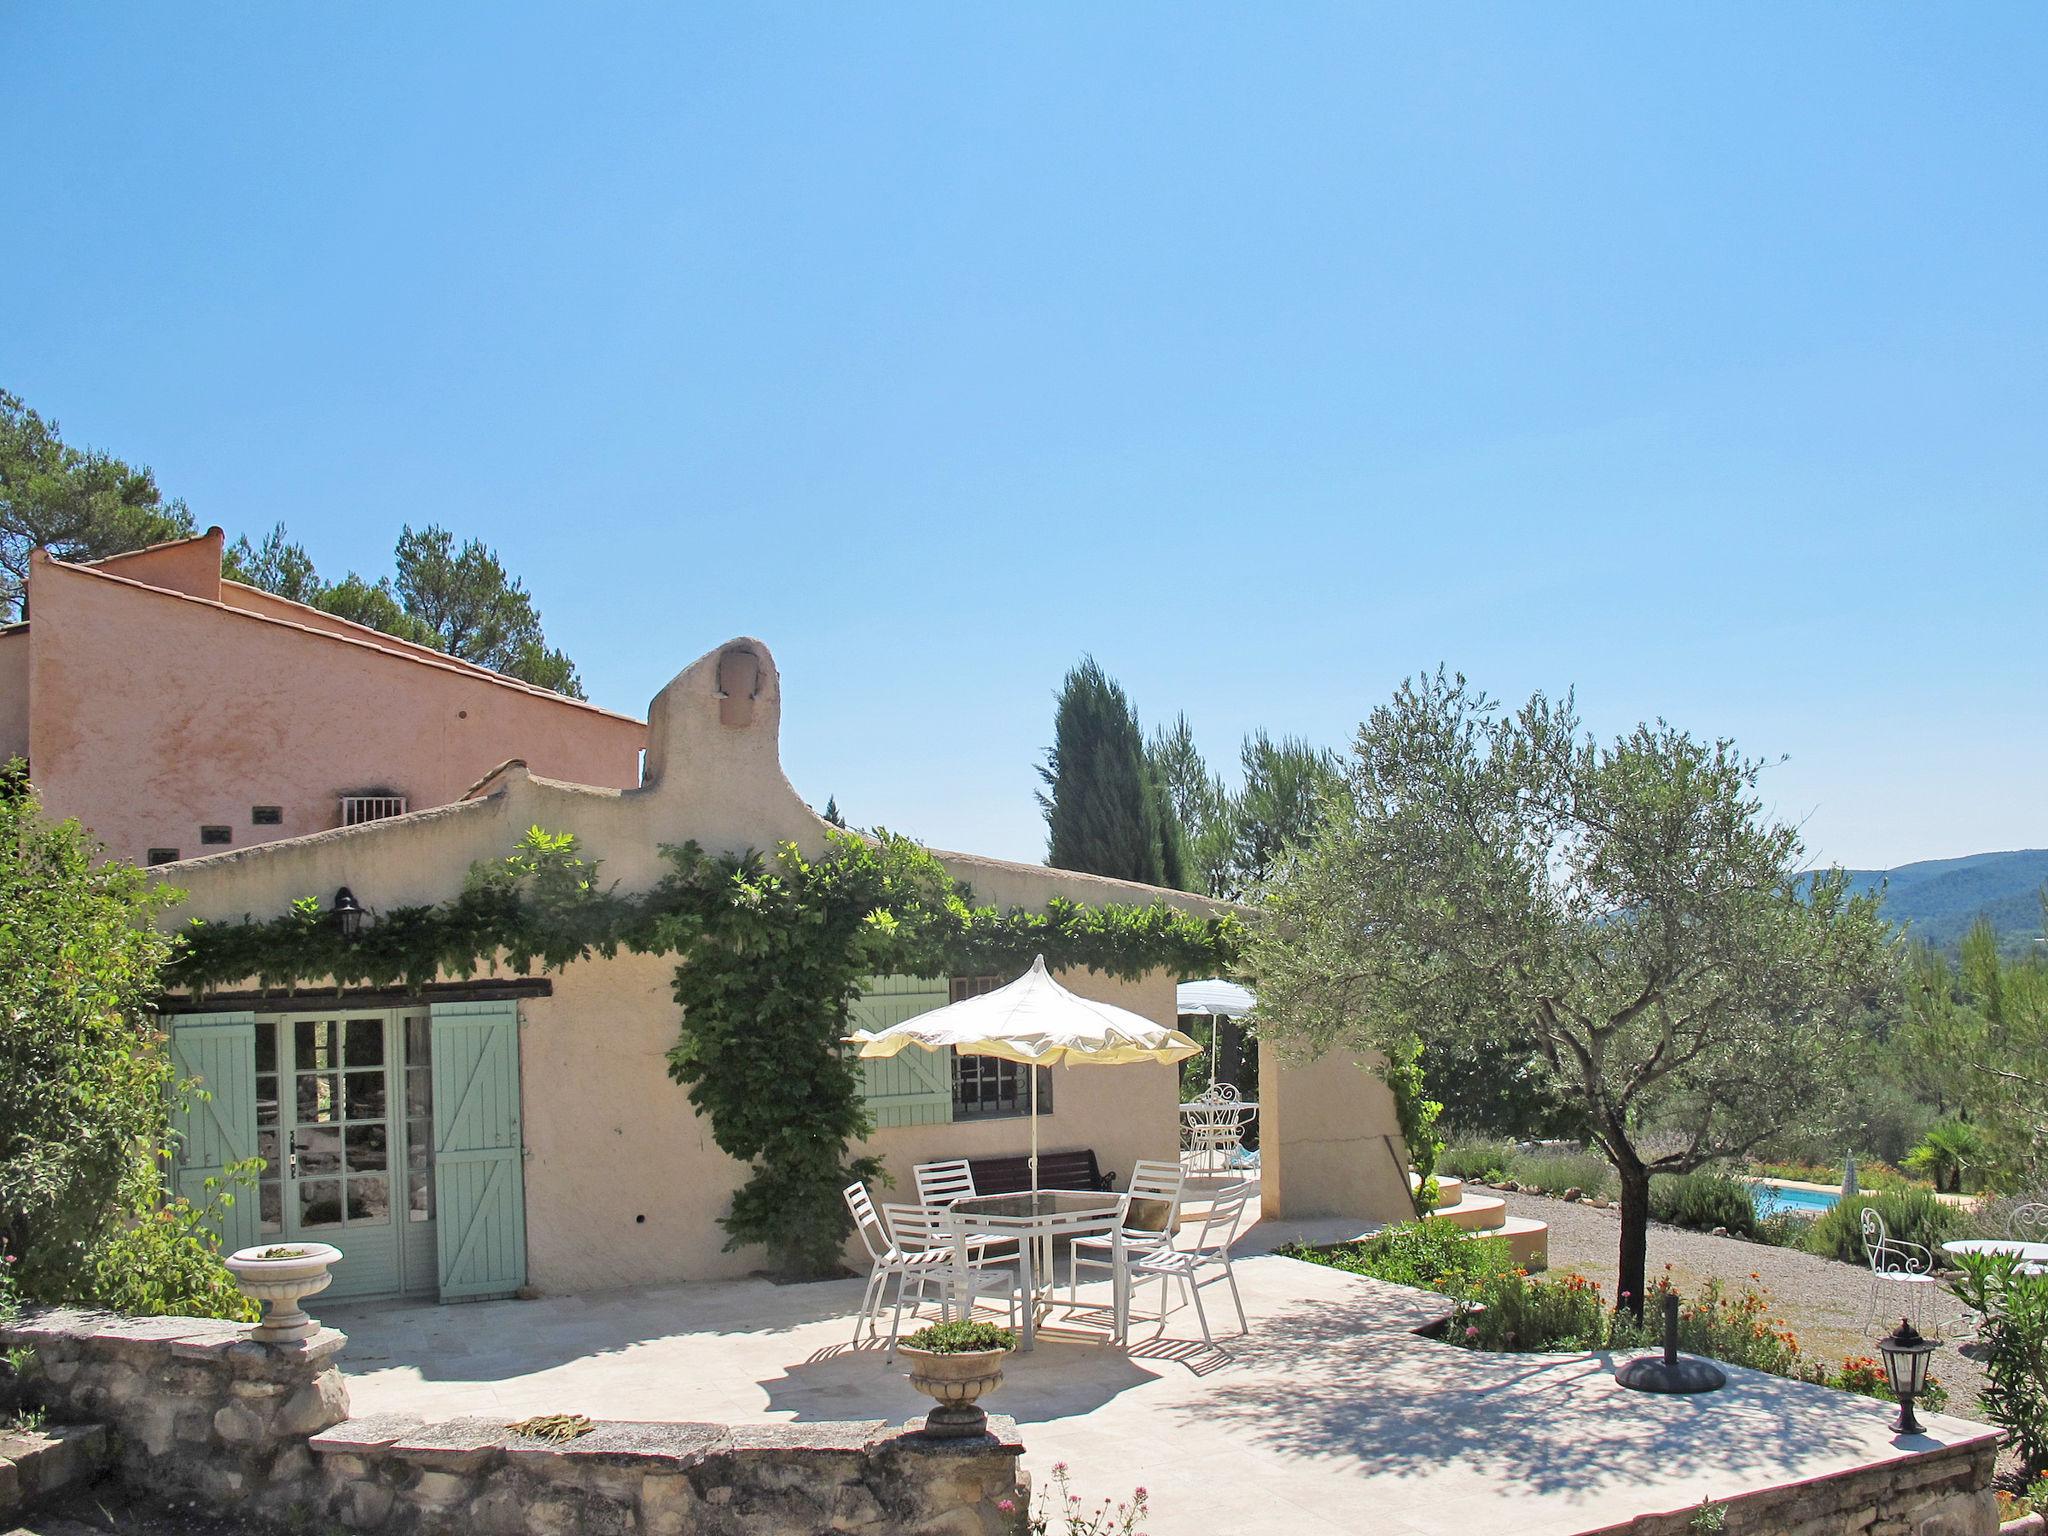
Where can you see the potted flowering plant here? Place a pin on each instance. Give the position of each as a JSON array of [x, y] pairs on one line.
[[281, 1275], [954, 1364]]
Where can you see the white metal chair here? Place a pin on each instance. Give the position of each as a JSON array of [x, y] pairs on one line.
[[1908, 1267], [940, 1184], [2028, 1223], [1153, 1181], [1204, 1262], [935, 1254], [890, 1259], [1212, 1129]]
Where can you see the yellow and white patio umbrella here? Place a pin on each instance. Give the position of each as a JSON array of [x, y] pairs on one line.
[[1036, 1021]]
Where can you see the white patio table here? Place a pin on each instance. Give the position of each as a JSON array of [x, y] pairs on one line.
[[1035, 1220], [2033, 1256]]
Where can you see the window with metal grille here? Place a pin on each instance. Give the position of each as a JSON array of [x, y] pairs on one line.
[[987, 1087], [216, 834], [163, 855], [266, 815], [357, 809]]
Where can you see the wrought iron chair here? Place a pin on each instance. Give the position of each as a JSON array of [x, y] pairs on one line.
[[1906, 1268], [2028, 1223]]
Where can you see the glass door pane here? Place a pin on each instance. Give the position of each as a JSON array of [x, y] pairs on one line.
[[338, 1162]]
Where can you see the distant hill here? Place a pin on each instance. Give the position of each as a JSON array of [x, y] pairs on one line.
[[1937, 900]]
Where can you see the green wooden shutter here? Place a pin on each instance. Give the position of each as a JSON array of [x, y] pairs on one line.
[[915, 1086], [479, 1177], [216, 1052]]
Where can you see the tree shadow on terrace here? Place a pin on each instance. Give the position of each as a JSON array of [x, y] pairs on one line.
[[1322, 1380]]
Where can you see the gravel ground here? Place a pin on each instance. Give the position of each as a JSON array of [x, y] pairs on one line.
[[1821, 1300]]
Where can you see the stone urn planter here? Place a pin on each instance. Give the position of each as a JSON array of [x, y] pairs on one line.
[[281, 1275], [954, 1364]]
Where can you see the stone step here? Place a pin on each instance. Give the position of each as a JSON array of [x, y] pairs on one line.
[[1472, 1213], [1527, 1239], [36, 1464], [1449, 1191]]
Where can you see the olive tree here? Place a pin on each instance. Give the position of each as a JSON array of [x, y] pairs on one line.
[[1630, 906]]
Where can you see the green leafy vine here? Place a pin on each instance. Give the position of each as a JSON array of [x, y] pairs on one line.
[[1417, 1114], [771, 954]]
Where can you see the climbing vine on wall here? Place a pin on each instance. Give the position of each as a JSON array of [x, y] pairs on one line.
[[1417, 1114], [771, 953]]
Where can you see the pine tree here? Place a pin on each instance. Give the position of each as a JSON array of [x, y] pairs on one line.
[[832, 811], [1103, 812]]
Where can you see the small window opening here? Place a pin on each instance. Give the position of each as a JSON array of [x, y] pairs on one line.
[[216, 834], [266, 815], [163, 855]]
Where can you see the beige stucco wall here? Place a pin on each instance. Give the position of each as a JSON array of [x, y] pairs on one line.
[[624, 1185], [1329, 1140], [152, 713], [14, 692]]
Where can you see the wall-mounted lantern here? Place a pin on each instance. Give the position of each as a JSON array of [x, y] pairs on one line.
[[349, 915]]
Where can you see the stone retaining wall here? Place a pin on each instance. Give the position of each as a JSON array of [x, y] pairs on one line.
[[199, 1409], [1941, 1492]]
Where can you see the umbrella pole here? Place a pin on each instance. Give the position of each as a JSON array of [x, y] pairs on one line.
[[1034, 1127]]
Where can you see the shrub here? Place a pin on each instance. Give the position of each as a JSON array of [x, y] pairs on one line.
[[961, 1338], [85, 1081], [1703, 1201], [1555, 1170], [1914, 1216], [1477, 1158], [1431, 1256], [2012, 1345], [167, 1263], [1783, 1229], [1520, 1315]]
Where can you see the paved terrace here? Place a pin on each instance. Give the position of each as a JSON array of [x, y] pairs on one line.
[[1333, 1415]]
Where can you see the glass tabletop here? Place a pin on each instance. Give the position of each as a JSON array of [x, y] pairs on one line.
[[1045, 1202]]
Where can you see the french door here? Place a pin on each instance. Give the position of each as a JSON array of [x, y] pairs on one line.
[[344, 1123]]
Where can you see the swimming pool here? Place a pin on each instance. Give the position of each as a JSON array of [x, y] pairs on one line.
[[1779, 1199]]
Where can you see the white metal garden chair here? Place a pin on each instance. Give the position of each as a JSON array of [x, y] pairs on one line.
[[1905, 1270], [1203, 1262], [940, 1184], [892, 1259], [1153, 1180], [1212, 1129], [936, 1255]]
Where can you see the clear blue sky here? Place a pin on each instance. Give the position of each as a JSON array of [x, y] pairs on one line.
[[1689, 355]]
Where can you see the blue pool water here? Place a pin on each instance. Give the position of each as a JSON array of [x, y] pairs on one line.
[[1771, 1200]]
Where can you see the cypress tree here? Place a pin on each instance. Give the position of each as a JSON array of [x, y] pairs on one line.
[[1103, 801]]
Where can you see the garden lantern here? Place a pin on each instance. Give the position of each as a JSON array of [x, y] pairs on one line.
[[1905, 1366], [349, 915]]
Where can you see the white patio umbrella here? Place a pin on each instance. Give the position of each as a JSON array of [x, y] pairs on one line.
[[1036, 1021], [1217, 998]]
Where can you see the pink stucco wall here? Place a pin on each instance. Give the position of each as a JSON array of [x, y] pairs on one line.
[[152, 714]]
